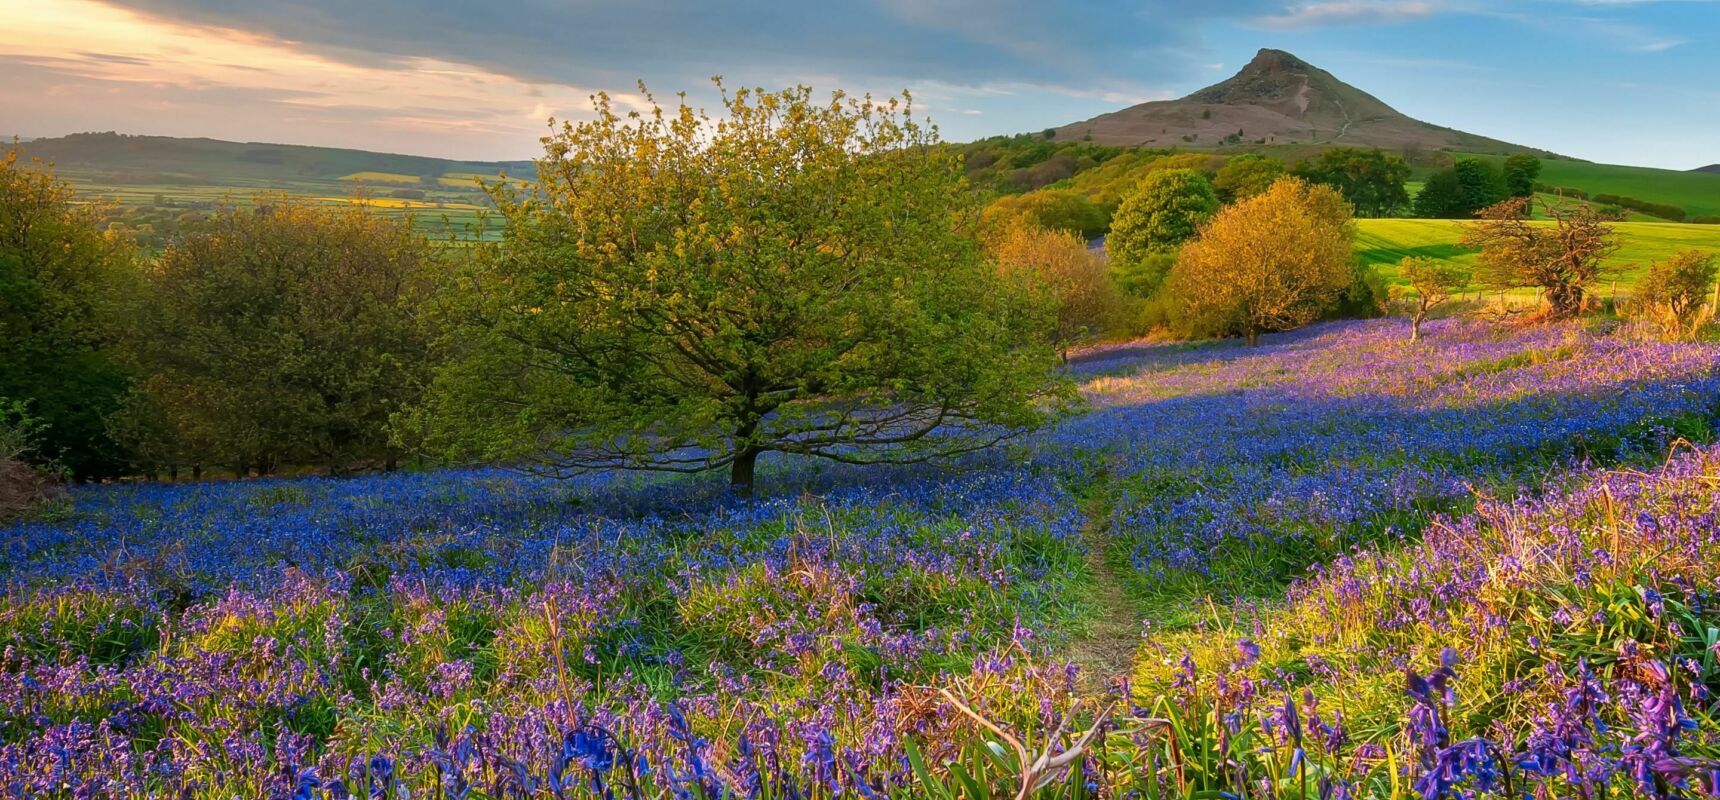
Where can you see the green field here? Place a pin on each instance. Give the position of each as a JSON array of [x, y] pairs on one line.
[[1382, 243], [1698, 193]]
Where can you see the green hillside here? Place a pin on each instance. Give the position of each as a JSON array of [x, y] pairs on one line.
[[1697, 192], [1384, 242], [165, 159]]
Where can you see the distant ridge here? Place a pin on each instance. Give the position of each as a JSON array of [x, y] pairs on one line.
[[1711, 168], [1277, 99], [167, 159]]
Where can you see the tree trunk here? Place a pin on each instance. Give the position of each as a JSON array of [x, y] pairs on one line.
[[1252, 336], [741, 471], [1415, 329]]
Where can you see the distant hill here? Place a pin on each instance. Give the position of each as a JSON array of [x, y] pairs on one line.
[[1278, 99], [1713, 168], [170, 160]]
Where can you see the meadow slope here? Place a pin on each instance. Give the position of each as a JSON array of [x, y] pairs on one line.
[[1382, 243], [485, 634]]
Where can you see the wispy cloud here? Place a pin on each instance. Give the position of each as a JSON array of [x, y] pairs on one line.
[[1347, 12]]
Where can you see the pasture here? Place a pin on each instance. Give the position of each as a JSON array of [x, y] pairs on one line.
[[1698, 193], [1247, 546], [1382, 243]]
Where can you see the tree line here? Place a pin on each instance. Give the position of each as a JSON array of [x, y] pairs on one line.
[[684, 293], [676, 293]]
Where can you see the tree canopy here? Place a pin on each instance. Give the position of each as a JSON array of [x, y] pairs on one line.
[[1562, 258], [1272, 262], [1058, 264], [684, 293], [1165, 210], [1246, 175], [1461, 191], [1371, 180], [282, 334], [59, 275], [1520, 173]]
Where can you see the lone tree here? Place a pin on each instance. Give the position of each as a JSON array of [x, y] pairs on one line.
[[680, 293], [1272, 262], [1434, 283], [1562, 257]]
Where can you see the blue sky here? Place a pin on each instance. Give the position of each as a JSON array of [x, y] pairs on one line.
[[1621, 81]]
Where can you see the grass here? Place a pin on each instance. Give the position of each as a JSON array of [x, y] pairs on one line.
[[1382, 243], [1698, 193]]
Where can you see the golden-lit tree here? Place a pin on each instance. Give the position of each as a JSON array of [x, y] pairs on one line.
[[682, 293], [1272, 262], [1434, 283], [1562, 258], [1060, 265]]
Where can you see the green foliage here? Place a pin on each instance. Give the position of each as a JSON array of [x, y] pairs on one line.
[[1247, 175], [280, 335], [1142, 277], [1371, 180], [1051, 209], [1440, 197], [1166, 210], [1471, 184], [1674, 290], [1661, 210], [1273, 262], [1563, 260], [1520, 173], [1696, 192], [685, 294], [1026, 162], [59, 276]]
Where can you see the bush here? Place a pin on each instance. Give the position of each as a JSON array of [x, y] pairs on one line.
[[1673, 292], [1073, 278], [1273, 262], [23, 486], [1661, 210], [1166, 210]]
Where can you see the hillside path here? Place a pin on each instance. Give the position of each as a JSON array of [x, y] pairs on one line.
[[1105, 651]]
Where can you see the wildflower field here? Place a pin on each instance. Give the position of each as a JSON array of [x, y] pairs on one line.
[[1335, 565]]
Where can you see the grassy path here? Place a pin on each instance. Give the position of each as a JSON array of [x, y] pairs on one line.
[[1105, 650]]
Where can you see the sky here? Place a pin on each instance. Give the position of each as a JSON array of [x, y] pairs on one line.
[[1618, 81]]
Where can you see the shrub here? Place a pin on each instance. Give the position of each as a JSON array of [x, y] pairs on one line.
[[1672, 293], [1165, 210], [1272, 262], [23, 487], [1059, 265]]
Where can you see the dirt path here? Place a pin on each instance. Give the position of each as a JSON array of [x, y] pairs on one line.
[[1105, 651]]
